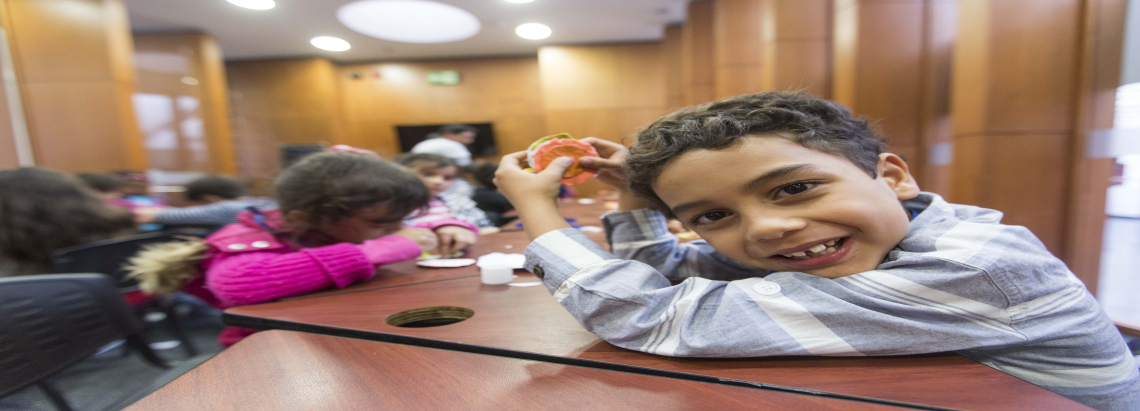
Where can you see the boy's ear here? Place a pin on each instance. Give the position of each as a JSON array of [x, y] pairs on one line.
[[894, 171]]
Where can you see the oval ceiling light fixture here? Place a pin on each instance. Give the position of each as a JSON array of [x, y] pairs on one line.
[[409, 21], [533, 31], [330, 43], [519, 1], [254, 4]]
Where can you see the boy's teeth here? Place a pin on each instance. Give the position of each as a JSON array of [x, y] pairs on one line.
[[818, 251]]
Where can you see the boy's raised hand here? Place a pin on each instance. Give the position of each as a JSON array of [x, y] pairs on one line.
[[533, 194], [609, 164], [523, 188]]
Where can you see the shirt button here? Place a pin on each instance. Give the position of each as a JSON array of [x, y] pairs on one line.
[[260, 244], [766, 288], [237, 246], [538, 272]]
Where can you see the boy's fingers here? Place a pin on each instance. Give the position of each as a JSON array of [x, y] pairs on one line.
[[512, 160], [598, 162], [558, 166]]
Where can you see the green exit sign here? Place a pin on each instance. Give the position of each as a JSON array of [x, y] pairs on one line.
[[443, 77]]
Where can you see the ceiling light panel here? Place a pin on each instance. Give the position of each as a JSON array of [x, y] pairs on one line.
[[254, 4], [330, 43], [519, 1], [533, 31], [409, 21]]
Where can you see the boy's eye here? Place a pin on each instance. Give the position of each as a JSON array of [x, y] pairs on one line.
[[710, 217], [795, 188]]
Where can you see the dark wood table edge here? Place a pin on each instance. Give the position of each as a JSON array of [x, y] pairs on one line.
[[364, 287], [257, 323]]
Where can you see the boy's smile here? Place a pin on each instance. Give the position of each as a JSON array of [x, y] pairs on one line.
[[771, 203]]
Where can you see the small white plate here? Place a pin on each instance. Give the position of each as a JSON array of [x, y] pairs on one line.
[[446, 262]]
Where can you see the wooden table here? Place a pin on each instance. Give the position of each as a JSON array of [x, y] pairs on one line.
[[280, 370], [528, 323]]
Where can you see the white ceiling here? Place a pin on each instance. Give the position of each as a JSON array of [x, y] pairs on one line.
[[285, 30]]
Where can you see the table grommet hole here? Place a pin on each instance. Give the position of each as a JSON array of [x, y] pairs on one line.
[[429, 317]]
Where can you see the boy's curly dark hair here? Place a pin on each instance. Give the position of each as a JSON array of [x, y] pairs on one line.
[[219, 186], [330, 186], [44, 210], [809, 121]]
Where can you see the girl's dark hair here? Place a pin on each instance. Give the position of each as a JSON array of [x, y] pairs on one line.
[[219, 186], [43, 210], [330, 186], [811, 122], [483, 172], [100, 182], [437, 161]]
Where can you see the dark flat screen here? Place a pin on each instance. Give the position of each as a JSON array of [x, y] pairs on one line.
[[484, 144]]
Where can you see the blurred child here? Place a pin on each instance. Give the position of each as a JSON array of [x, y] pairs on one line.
[[437, 173], [43, 210], [215, 200], [136, 189], [339, 219], [487, 197], [816, 241]]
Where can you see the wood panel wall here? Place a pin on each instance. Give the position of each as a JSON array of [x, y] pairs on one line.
[[698, 61], [503, 91], [1100, 64], [674, 60], [800, 51], [741, 30], [891, 60], [1016, 67], [76, 77], [188, 65], [279, 102], [606, 91]]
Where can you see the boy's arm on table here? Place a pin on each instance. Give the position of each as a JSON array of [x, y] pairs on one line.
[[906, 310], [642, 235]]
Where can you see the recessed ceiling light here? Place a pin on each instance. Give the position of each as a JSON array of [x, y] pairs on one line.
[[330, 43], [254, 4], [519, 1], [409, 21], [533, 31]]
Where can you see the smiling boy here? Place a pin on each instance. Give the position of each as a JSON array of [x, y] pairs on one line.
[[815, 242]]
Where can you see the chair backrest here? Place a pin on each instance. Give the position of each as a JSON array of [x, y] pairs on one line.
[[109, 256], [52, 321]]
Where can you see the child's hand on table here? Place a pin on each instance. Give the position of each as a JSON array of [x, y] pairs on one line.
[[453, 238], [533, 194], [426, 239]]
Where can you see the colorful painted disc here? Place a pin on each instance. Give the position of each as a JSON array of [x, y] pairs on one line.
[[566, 147]]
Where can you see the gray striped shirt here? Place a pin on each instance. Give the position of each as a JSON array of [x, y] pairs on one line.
[[217, 214], [959, 281]]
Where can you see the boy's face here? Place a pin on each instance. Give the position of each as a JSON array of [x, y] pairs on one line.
[[769, 202], [437, 179]]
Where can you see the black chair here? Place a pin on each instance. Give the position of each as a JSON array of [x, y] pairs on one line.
[[50, 322], [109, 256]]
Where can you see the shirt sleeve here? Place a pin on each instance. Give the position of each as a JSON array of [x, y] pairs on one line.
[[643, 235], [221, 213], [464, 208], [894, 310], [250, 278]]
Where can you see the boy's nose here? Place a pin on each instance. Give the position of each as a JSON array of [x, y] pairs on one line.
[[771, 227]]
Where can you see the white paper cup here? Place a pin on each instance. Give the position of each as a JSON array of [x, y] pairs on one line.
[[496, 274]]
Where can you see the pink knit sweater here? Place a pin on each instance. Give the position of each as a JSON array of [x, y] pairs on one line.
[[257, 261]]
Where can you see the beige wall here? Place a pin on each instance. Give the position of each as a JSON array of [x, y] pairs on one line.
[[502, 91]]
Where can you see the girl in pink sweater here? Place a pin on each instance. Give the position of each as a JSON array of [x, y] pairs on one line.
[[339, 219]]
